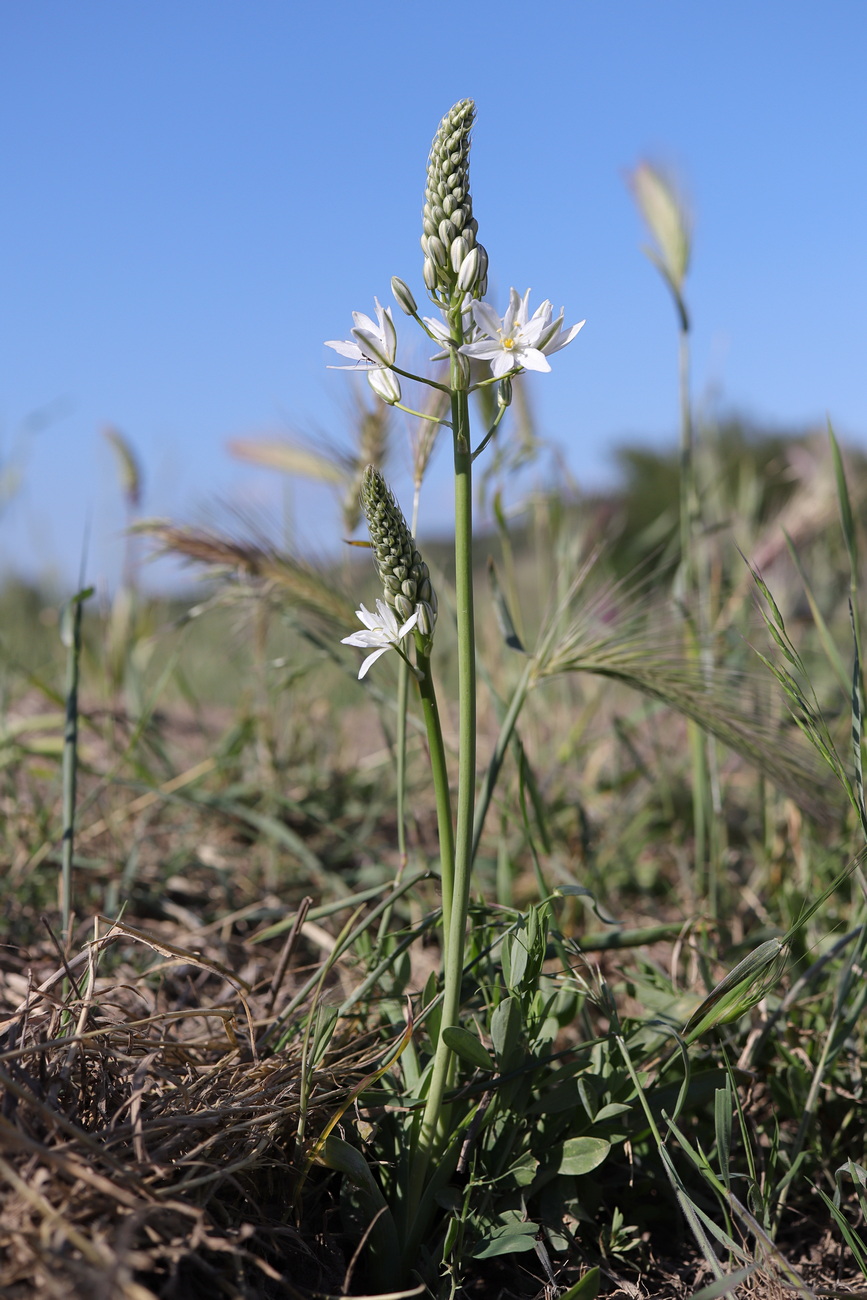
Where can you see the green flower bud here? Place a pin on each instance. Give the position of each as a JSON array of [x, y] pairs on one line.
[[429, 275], [504, 392], [426, 618], [469, 268], [403, 296], [459, 250], [447, 231], [403, 573], [436, 250]]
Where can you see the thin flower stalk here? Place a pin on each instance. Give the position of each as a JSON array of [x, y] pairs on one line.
[[456, 890]]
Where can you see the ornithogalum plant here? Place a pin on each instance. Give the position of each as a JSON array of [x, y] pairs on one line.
[[479, 348]]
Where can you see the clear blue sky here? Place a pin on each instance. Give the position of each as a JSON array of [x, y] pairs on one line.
[[196, 193]]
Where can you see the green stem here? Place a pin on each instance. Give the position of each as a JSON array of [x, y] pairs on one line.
[[72, 637], [440, 774], [400, 761], [456, 901]]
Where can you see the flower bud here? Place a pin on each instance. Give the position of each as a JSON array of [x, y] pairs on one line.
[[436, 250], [403, 296], [504, 392], [429, 275], [385, 384], [426, 618], [447, 231], [469, 270], [459, 250]]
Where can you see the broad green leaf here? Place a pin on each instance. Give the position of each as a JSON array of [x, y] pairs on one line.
[[506, 1029], [518, 956], [582, 1154], [467, 1047], [511, 1240], [613, 1108]]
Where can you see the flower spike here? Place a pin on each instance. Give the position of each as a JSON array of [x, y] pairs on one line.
[[449, 239], [404, 575]]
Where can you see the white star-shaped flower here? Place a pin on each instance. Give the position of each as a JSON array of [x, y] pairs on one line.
[[382, 631], [519, 339], [372, 342]]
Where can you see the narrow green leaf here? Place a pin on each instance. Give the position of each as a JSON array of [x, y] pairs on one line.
[[586, 1289], [505, 621], [724, 1286], [846, 517], [828, 643], [723, 1124]]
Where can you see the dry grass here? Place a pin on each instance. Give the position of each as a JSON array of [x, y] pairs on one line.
[[149, 1146]]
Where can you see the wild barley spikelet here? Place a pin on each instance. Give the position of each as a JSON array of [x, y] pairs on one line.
[[403, 573], [453, 257]]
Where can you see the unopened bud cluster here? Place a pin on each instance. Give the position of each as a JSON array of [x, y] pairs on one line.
[[404, 575], [454, 260]]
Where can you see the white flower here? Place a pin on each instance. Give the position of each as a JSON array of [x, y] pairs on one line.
[[375, 342], [382, 632], [518, 339]]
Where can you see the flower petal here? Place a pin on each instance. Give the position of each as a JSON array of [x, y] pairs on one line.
[[346, 348], [408, 625], [371, 659], [533, 359], [487, 319]]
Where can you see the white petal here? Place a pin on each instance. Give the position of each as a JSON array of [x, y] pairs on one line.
[[346, 349], [371, 659], [484, 350], [363, 322], [438, 329], [513, 311], [487, 319], [503, 363], [533, 332], [387, 619], [408, 625], [533, 359], [371, 346], [368, 619]]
